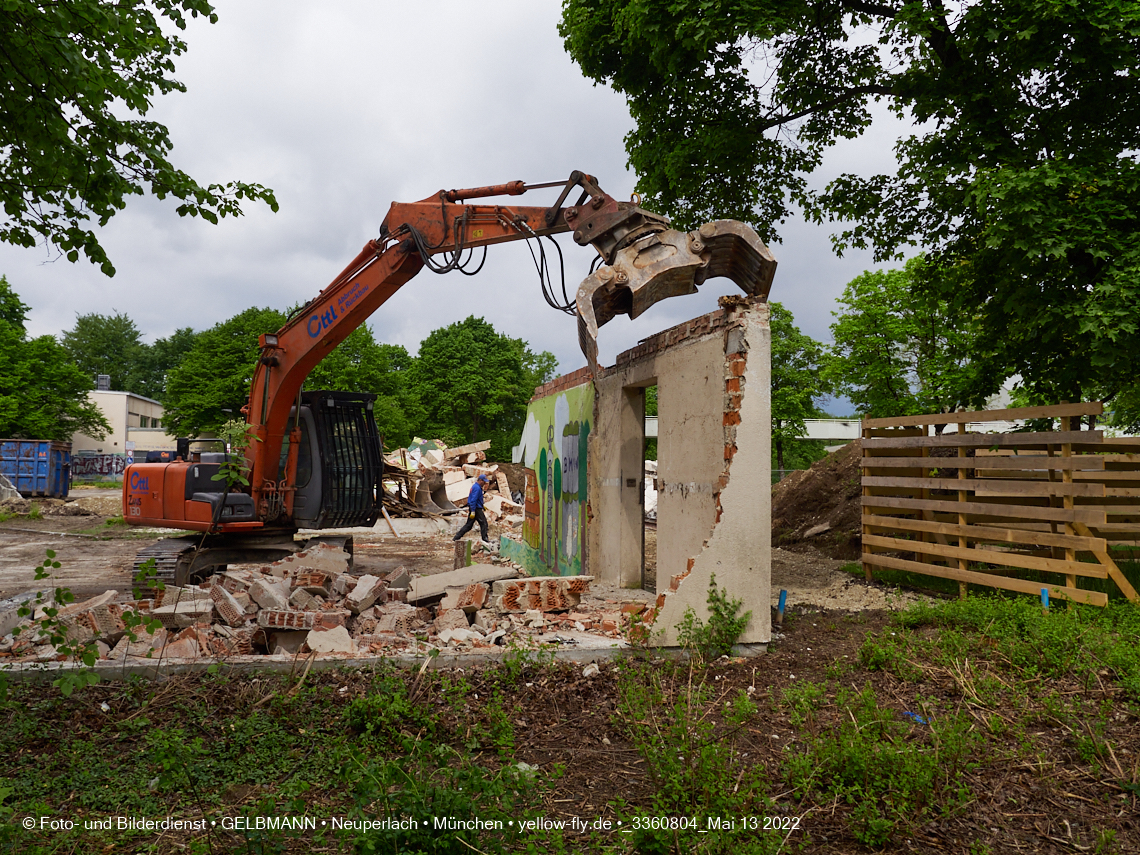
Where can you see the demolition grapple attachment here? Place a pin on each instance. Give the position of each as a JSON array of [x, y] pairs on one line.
[[653, 262]]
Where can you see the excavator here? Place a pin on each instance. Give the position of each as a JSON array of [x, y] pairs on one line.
[[314, 460]]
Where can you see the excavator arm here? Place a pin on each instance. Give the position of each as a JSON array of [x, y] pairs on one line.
[[643, 261]]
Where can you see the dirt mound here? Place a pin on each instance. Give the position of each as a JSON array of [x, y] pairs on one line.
[[820, 505]]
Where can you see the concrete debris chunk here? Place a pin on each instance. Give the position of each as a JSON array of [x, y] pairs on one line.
[[320, 556], [451, 619], [368, 589], [289, 643], [336, 640], [343, 585], [185, 613], [314, 582], [400, 579], [234, 582], [451, 636], [229, 609], [591, 670], [146, 644], [269, 595], [535, 619], [303, 600], [183, 648], [428, 588]]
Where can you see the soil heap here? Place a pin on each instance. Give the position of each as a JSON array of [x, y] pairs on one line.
[[820, 506]]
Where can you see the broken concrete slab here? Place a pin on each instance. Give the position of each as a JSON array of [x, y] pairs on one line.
[[270, 595], [336, 640], [10, 610], [450, 636], [451, 619], [470, 448], [459, 491], [427, 588], [289, 643], [320, 556], [366, 591], [185, 613], [183, 648]]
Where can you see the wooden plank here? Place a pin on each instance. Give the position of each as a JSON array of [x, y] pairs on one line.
[[984, 440], [896, 432], [1092, 408], [1093, 598], [1005, 486], [1114, 571], [1012, 463], [998, 535], [989, 556], [1092, 516]]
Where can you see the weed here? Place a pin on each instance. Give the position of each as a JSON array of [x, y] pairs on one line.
[[692, 759], [35, 513], [872, 761], [713, 639]]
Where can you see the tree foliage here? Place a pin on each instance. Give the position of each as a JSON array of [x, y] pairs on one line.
[[1020, 180], [476, 382], [43, 395], [211, 384], [361, 364], [899, 349], [798, 383], [107, 344], [159, 359], [78, 79]]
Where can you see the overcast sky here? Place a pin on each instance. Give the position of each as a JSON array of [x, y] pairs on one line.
[[343, 107]]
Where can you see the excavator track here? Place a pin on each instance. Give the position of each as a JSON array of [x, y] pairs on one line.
[[170, 556]]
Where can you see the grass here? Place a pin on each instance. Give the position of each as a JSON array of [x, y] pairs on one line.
[[96, 485], [921, 726]]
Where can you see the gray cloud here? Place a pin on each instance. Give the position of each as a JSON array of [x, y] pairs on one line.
[[344, 107]]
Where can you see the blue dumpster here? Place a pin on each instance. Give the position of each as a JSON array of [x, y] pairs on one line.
[[37, 467]]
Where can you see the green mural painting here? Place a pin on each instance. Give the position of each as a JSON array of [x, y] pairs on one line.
[[553, 449]]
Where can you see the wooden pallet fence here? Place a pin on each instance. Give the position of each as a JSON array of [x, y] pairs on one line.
[[981, 508]]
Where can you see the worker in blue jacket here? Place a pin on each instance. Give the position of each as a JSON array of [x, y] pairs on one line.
[[475, 510]]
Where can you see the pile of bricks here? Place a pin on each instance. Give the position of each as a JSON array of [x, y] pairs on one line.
[[311, 603]]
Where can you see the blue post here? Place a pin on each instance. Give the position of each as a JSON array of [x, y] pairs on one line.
[[780, 609], [1045, 598]]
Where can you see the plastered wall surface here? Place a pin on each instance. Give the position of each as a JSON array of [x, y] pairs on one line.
[[714, 467]]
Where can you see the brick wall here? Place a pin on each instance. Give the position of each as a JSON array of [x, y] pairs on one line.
[[561, 384]]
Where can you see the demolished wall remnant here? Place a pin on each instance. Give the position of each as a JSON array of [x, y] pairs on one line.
[[559, 420], [713, 379]]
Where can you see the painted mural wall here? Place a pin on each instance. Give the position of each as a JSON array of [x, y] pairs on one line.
[[553, 449]]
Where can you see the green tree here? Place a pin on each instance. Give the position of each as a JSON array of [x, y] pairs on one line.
[[78, 79], [798, 382], [43, 395], [361, 364], [899, 349], [159, 359], [108, 344], [475, 383], [211, 383], [1020, 180]]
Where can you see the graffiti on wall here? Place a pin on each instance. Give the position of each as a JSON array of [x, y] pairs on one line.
[[98, 464], [554, 453]]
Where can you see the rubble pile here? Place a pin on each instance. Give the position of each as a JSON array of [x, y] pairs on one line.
[[309, 603], [430, 478]]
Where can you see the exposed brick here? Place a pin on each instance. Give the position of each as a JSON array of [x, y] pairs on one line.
[[269, 595], [632, 608], [732, 418], [732, 385], [737, 368], [314, 582], [729, 452], [290, 619], [228, 608]]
